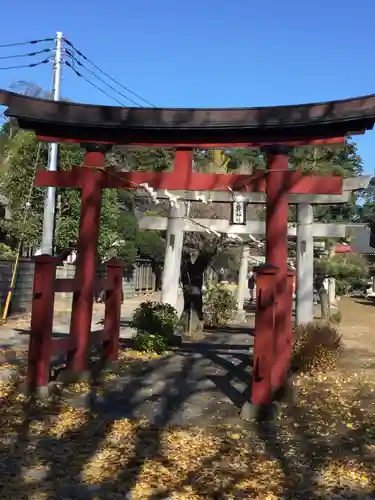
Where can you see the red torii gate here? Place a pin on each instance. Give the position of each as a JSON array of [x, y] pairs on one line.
[[275, 130]]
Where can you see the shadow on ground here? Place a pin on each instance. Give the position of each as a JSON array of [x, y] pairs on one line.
[[365, 302], [197, 385]]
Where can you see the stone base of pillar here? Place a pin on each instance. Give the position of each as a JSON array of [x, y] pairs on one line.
[[240, 317], [259, 413]]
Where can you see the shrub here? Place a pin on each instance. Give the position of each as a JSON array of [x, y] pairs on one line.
[[150, 342], [218, 306], [335, 317], [6, 252], [155, 324], [316, 348]]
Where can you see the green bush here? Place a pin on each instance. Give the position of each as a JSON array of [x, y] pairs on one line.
[[219, 305], [316, 347], [155, 324], [6, 252], [150, 342], [342, 287], [335, 318]]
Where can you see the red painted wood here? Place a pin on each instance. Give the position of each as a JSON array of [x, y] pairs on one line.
[[261, 393], [66, 285], [283, 342], [80, 326], [197, 145], [277, 236], [112, 315], [183, 165], [97, 336], [294, 181], [101, 284], [273, 317], [62, 345], [40, 344]]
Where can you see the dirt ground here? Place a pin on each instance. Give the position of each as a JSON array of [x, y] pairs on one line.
[[358, 330], [147, 438]]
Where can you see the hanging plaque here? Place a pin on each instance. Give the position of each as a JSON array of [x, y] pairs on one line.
[[238, 212]]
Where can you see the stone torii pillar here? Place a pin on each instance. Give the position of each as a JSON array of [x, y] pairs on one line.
[[305, 245], [305, 264], [173, 253], [242, 280]]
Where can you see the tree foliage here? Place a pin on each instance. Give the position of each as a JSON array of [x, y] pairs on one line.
[[118, 228], [343, 161], [345, 267], [219, 306]]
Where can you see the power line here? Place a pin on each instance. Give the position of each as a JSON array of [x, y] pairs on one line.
[[67, 63], [29, 54], [74, 60], [109, 76], [28, 42], [71, 55], [32, 65]]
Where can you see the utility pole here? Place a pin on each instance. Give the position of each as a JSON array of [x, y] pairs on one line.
[[50, 196]]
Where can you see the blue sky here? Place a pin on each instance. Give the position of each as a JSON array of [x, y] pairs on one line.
[[208, 53]]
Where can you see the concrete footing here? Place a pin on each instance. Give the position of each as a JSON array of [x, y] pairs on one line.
[[259, 413]]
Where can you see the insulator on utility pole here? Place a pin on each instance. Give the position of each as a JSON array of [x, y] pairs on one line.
[[50, 196]]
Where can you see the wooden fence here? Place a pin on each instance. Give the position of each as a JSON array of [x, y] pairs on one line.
[[141, 282]]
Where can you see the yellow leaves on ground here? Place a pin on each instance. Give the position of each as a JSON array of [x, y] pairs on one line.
[[323, 446]]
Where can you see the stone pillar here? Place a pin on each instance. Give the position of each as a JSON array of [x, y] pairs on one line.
[[242, 280], [332, 292], [331, 284], [173, 252], [305, 264]]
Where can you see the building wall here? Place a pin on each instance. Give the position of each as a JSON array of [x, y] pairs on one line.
[[22, 294]]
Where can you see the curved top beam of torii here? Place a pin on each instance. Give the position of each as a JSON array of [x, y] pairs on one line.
[[191, 127]]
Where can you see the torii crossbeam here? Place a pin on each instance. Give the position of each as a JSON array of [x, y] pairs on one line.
[[275, 129]]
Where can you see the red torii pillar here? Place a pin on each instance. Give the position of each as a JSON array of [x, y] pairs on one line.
[[277, 188], [86, 263], [277, 182]]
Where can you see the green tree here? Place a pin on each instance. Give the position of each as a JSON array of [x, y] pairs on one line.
[[118, 225], [229, 260], [349, 269], [343, 161], [151, 246], [132, 158], [366, 212]]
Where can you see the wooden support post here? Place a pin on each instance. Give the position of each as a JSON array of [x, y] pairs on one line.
[[277, 188], [283, 350], [80, 326], [112, 314], [39, 357], [263, 358]]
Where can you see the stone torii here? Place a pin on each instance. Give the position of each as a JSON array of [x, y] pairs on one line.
[[177, 224], [305, 230]]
